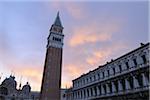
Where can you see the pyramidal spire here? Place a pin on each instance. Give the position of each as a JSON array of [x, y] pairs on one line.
[[57, 20]]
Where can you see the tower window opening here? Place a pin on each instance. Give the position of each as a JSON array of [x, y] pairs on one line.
[[56, 39]]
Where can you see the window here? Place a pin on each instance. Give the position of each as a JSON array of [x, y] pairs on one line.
[[98, 76], [60, 30], [135, 63], [90, 79], [127, 65], [114, 70], [144, 58], [108, 72], [87, 80], [56, 39], [83, 81], [103, 75], [120, 68], [94, 78], [55, 29]]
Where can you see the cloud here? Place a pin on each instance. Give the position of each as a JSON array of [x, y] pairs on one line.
[[98, 57], [72, 71], [31, 74], [93, 33], [83, 38]]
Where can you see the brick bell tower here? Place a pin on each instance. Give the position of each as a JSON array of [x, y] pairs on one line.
[[51, 82]]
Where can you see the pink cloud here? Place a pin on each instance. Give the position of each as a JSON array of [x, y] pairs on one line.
[[70, 72], [31, 74], [99, 56], [83, 38], [93, 33]]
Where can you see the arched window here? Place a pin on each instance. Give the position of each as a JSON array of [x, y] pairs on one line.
[[3, 91], [120, 68], [135, 62], [144, 58], [114, 70]]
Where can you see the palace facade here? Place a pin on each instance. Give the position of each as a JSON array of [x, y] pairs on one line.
[[125, 78]]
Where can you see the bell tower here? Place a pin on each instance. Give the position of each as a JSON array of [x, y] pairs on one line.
[[51, 82]]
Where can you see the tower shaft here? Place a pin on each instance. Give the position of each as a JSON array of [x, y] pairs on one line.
[[51, 82]]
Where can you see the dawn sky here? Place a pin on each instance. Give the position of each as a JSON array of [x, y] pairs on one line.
[[95, 32]]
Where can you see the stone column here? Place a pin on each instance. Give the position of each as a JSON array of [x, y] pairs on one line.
[[127, 84], [94, 94], [83, 96], [113, 87], [107, 88], [135, 82], [72, 95], [120, 88], [145, 80], [102, 90], [86, 95], [98, 91], [90, 92], [76, 95]]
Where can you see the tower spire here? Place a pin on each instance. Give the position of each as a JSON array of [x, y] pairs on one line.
[[57, 21]]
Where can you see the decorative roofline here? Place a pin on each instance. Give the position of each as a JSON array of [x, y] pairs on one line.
[[101, 66]]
